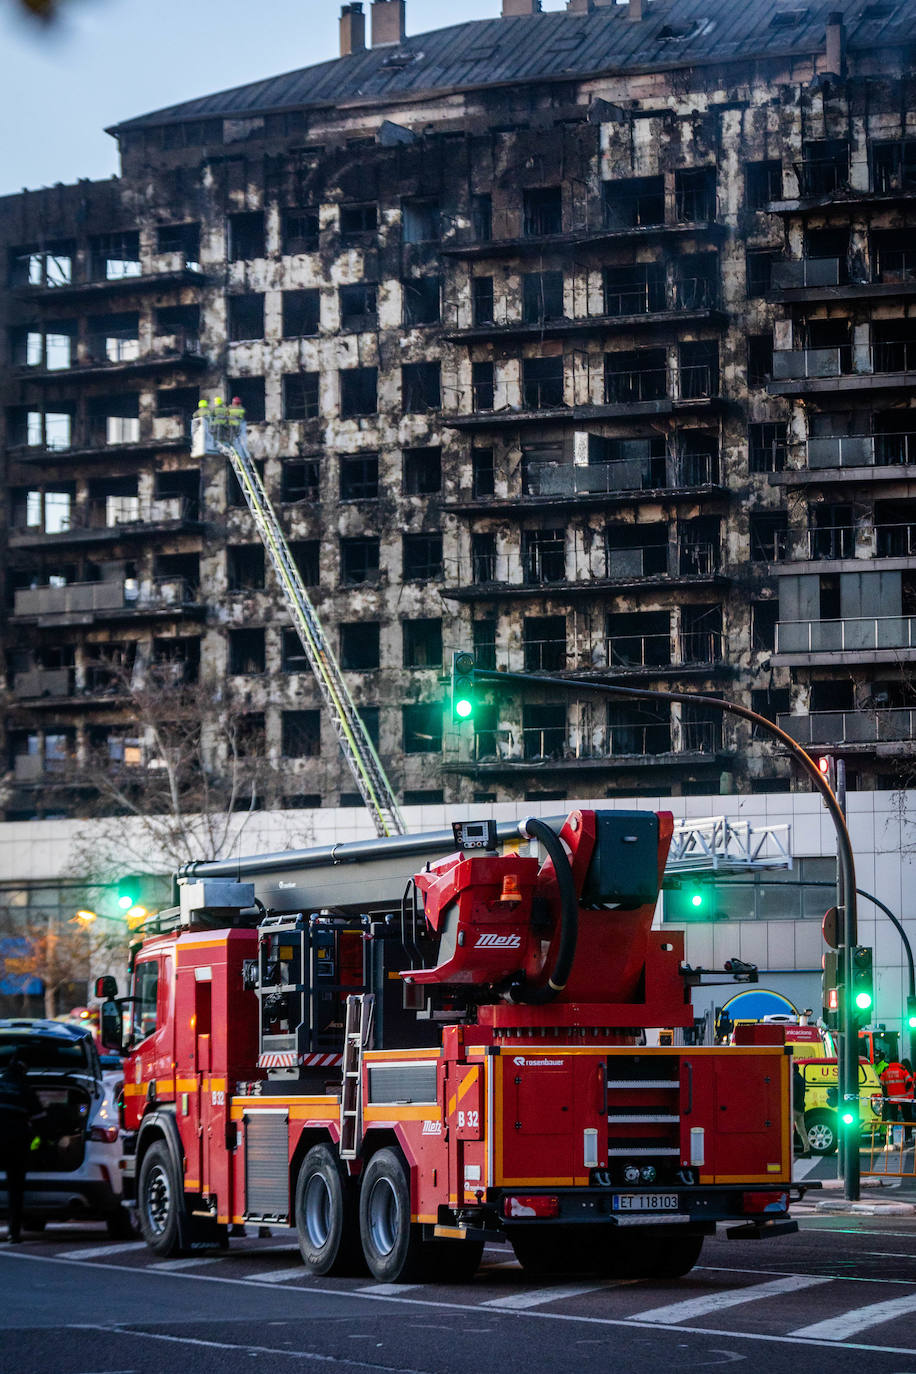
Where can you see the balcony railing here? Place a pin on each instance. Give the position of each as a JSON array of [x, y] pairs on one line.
[[638, 651], [548, 743], [111, 512], [654, 738], [543, 565], [851, 727], [684, 559], [862, 450], [80, 597], [544, 395], [634, 212], [643, 473], [806, 364], [483, 567], [822, 176], [698, 381], [701, 736], [698, 559], [861, 634], [34, 768], [43, 682], [544, 655], [846, 541], [630, 387], [796, 273]]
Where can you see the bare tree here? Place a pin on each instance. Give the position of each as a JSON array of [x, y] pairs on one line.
[[63, 954]]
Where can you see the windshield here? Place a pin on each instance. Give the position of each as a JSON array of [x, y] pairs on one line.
[[45, 1051]]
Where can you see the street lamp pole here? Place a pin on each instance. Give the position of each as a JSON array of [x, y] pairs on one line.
[[845, 861]]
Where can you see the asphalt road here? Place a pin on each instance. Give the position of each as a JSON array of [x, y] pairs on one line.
[[840, 1296]]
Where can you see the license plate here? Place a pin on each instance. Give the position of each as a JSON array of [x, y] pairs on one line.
[[645, 1202]]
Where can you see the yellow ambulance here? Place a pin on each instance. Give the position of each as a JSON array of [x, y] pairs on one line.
[[820, 1075]]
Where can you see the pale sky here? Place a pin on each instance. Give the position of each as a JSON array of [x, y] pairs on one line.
[[109, 60]]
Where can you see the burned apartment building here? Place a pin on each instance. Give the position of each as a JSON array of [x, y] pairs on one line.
[[586, 339]]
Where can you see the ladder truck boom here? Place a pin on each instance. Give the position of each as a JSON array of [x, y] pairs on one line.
[[221, 430], [401, 1070]]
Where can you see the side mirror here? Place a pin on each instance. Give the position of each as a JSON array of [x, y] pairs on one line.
[[110, 1024], [106, 988]]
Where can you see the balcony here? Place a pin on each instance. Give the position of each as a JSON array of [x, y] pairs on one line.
[[99, 440], [846, 368], [120, 357], [650, 655], [820, 279], [114, 518], [842, 543], [594, 235], [81, 602], [676, 472], [43, 682], [628, 395], [139, 284], [863, 639], [865, 729], [683, 563], [853, 458]]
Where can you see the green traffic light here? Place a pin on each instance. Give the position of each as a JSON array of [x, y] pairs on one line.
[[696, 899], [848, 1118], [125, 903], [464, 708], [863, 1000]]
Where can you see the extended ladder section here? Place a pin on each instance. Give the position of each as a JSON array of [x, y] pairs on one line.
[[357, 1033], [221, 430]]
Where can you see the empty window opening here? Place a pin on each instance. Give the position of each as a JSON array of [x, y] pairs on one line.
[[359, 477], [422, 642], [300, 231], [483, 556], [247, 238], [251, 396], [359, 560], [422, 726], [543, 555], [299, 480], [235, 497], [421, 387], [638, 639], [301, 313], [483, 386], [301, 734], [543, 211], [246, 317], [638, 374], [638, 289], [358, 392], [482, 300], [45, 267], [483, 474], [301, 399], [634, 202], [115, 256], [306, 555], [246, 652], [544, 643], [359, 306], [422, 471], [422, 557], [542, 297], [695, 195], [421, 297], [293, 657], [359, 645], [544, 731], [245, 567], [421, 221], [542, 383], [762, 183], [183, 239], [358, 219], [759, 359]]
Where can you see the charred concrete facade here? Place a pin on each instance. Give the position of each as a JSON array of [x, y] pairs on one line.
[[585, 339]]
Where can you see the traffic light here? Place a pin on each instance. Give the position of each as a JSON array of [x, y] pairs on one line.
[[863, 986], [849, 1113], [689, 900], [827, 769], [831, 989], [129, 891], [463, 690], [910, 1017]]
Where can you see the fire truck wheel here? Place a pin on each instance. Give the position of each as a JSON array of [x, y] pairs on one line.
[[393, 1247], [325, 1214], [821, 1128], [159, 1201]]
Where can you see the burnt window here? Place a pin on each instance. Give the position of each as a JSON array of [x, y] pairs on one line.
[[543, 211], [359, 645], [299, 480], [358, 306], [358, 219], [544, 643], [699, 369], [422, 557], [483, 556], [543, 556], [251, 743], [766, 446], [422, 471], [542, 296], [759, 265], [422, 725], [246, 652], [358, 392], [301, 734], [359, 560], [482, 300], [482, 218], [696, 282], [825, 166], [635, 290], [421, 296], [421, 387], [306, 554], [245, 567], [424, 796], [770, 702], [49, 266], [484, 640], [293, 658], [695, 195], [250, 394], [422, 643], [420, 219], [637, 374], [301, 313], [894, 165], [359, 477], [634, 202], [247, 236], [768, 535], [300, 231], [115, 256], [638, 639], [764, 615], [177, 660], [762, 183], [179, 238], [369, 715], [235, 497], [483, 386], [301, 396], [483, 475], [542, 383], [246, 317], [544, 730], [759, 359]]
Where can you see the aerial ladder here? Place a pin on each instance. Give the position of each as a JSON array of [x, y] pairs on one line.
[[220, 429]]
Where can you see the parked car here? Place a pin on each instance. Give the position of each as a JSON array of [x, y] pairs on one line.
[[75, 1170]]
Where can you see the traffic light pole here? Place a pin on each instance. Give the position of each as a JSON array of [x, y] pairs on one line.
[[845, 862]]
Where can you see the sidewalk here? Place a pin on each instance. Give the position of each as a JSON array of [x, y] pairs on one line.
[[879, 1197]]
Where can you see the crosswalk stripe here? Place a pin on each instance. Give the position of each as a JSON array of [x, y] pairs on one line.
[[99, 1251], [282, 1275], [188, 1263], [732, 1297], [537, 1296], [859, 1319], [383, 1289]]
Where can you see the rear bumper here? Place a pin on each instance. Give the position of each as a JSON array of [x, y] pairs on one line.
[[698, 1208]]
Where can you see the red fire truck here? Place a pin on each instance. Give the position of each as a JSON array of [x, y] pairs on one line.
[[404, 1052]]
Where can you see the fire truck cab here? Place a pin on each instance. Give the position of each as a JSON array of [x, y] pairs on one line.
[[403, 1059]]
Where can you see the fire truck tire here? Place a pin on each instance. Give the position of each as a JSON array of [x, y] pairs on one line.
[[821, 1128], [159, 1200], [392, 1244], [326, 1215]]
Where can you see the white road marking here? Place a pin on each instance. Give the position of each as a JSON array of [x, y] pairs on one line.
[[101, 1250], [859, 1319], [732, 1297], [381, 1290], [536, 1297], [282, 1275], [889, 1254], [188, 1263]]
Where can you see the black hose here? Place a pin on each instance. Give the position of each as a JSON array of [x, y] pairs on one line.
[[569, 917]]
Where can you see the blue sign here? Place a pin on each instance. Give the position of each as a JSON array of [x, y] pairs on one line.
[[755, 1005]]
